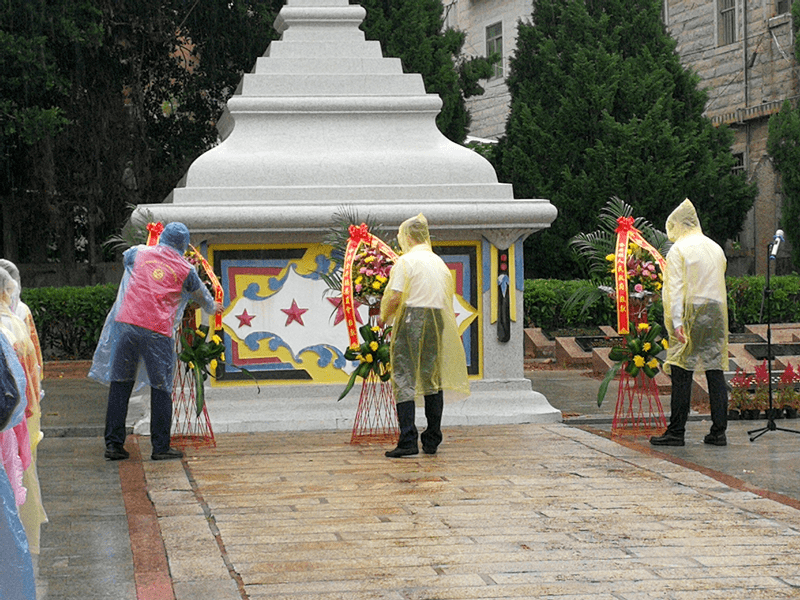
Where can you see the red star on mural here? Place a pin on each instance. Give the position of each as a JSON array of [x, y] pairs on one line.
[[244, 319], [294, 313], [337, 302]]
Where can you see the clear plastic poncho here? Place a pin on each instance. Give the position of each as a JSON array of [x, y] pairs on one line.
[[694, 295], [16, 574], [176, 237], [426, 350]]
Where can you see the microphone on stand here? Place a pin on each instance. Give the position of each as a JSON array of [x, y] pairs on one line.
[[776, 242]]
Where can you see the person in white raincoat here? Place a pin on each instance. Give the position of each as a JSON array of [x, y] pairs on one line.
[[696, 318], [426, 350]]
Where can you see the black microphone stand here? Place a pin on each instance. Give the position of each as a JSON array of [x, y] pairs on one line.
[[756, 433]]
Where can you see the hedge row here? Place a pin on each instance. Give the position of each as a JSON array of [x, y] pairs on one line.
[[69, 319], [546, 305]]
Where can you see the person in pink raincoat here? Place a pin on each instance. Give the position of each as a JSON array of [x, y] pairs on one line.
[[157, 284]]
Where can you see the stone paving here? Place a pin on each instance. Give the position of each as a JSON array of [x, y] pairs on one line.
[[519, 511]]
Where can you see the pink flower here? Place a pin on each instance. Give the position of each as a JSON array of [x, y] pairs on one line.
[[357, 287], [638, 287]]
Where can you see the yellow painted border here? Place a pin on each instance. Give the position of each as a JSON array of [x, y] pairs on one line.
[[211, 248]]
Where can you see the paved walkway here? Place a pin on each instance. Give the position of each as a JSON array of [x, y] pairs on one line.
[[522, 511]]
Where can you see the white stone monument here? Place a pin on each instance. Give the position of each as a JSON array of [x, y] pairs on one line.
[[325, 122]]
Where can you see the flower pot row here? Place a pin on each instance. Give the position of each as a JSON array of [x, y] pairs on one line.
[[752, 414]]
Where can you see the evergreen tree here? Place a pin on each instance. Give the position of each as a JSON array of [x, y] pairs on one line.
[[105, 104], [601, 107], [783, 145], [411, 30]]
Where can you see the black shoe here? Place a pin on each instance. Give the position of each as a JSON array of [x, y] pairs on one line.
[[428, 449], [716, 439], [667, 439], [398, 452], [116, 452], [169, 454]]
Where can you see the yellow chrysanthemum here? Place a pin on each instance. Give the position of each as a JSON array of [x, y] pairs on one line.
[[643, 326], [376, 285], [369, 358], [610, 257], [638, 360], [200, 333], [216, 339], [213, 365], [354, 347], [369, 259], [359, 279], [222, 357], [647, 346], [373, 346], [653, 363], [381, 278], [665, 343]]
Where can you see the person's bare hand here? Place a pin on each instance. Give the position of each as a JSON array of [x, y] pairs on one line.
[[218, 307], [680, 335]]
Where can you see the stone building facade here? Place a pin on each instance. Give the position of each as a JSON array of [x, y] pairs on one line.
[[743, 52], [491, 26]]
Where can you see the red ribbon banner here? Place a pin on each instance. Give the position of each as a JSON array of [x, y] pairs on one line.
[[154, 231], [358, 235], [627, 233], [219, 294]]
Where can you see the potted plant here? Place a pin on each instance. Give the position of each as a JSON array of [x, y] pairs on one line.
[[787, 395], [761, 397], [739, 398]]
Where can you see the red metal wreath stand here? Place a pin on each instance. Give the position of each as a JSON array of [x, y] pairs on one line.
[[188, 429], [376, 417], [638, 410]]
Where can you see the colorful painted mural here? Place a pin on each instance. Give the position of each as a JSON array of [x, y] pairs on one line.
[[283, 324]]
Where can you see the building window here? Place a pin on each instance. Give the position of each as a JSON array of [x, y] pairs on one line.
[[727, 22], [738, 165], [782, 7], [494, 45]]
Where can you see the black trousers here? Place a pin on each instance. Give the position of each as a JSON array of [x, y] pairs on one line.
[[119, 394], [681, 400]]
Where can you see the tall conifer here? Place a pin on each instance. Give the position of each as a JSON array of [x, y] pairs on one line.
[[601, 106]]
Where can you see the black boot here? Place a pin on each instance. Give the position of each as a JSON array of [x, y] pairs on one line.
[[432, 436], [407, 444]]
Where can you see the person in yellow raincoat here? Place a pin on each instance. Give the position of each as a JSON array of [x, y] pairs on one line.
[[696, 318], [427, 353]]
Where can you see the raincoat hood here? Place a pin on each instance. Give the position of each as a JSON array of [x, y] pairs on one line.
[[683, 221], [176, 236], [8, 288], [412, 232]]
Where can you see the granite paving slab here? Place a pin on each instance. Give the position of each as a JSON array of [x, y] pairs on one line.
[[523, 511]]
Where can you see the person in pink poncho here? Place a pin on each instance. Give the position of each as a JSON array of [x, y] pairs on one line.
[[157, 284]]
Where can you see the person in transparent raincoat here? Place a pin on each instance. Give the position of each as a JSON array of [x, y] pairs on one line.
[[427, 353], [696, 318], [16, 575], [18, 332], [157, 284]]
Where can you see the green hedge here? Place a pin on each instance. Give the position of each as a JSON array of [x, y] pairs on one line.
[[69, 319], [546, 305]]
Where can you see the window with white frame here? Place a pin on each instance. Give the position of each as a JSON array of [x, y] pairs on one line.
[[494, 45], [727, 21], [782, 7]]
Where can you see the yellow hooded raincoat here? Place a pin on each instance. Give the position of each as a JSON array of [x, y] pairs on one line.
[[694, 295], [426, 349]]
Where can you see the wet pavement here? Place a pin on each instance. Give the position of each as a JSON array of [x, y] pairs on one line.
[[504, 511]]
